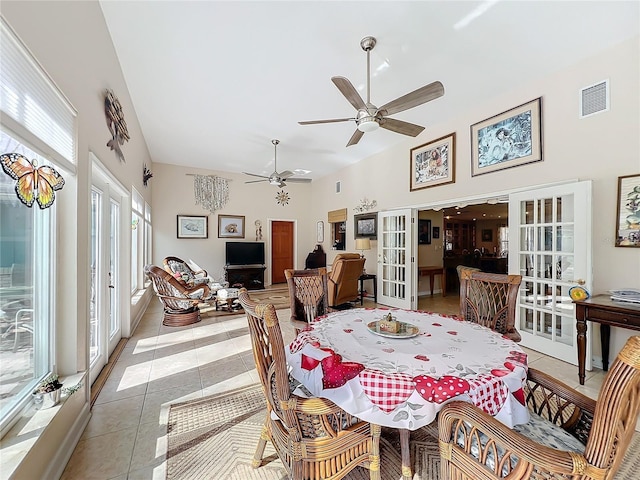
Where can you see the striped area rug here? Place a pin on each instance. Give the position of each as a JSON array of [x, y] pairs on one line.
[[216, 437]]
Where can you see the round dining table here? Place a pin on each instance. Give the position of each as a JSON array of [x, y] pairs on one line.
[[403, 379]]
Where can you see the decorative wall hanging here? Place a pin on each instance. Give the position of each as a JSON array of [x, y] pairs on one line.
[[194, 226], [366, 225], [507, 140], [628, 213], [365, 205], [115, 122], [33, 183], [230, 226], [433, 163], [258, 225], [320, 231], [146, 175], [211, 192], [282, 198]]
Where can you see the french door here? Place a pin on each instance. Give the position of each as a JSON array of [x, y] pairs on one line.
[[395, 259], [550, 246], [105, 326]]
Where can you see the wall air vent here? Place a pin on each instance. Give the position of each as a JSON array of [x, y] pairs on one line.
[[594, 99], [337, 187]]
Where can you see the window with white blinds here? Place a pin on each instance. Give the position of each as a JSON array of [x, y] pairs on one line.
[[31, 103]]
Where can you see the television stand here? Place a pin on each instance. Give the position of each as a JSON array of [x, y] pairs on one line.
[[250, 277]]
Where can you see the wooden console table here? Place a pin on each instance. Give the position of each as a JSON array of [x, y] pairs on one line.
[[601, 309], [432, 272]]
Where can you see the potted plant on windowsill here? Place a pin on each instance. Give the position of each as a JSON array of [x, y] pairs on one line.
[[49, 390]]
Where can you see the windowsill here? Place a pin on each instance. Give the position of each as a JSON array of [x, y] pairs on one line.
[[22, 437]]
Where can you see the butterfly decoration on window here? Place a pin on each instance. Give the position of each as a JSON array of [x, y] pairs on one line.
[[33, 183], [115, 122]]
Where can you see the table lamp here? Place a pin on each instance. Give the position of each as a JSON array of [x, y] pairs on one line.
[[363, 244]]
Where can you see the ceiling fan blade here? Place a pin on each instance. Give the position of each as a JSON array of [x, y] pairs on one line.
[[299, 180], [349, 91], [355, 138], [286, 174], [256, 181], [399, 126], [413, 99], [255, 175], [333, 120]]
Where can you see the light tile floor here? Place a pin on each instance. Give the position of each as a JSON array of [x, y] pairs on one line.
[[126, 435]]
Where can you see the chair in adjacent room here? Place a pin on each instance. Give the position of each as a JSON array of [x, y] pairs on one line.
[[569, 436], [180, 302], [490, 300], [308, 293], [313, 437], [343, 278]]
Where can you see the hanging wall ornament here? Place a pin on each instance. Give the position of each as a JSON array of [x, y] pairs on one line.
[[282, 198], [33, 183], [258, 225], [146, 175], [211, 192], [115, 122]]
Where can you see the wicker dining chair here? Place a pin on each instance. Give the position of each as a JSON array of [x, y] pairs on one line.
[[490, 300], [308, 295], [313, 437], [569, 436], [180, 302]]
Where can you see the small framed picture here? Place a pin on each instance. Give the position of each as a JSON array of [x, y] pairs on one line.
[[230, 226], [628, 214], [436, 232], [507, 140], [320, 231], [193, 226], [433, 163], [487, 235], [424, 232], [366, 225]]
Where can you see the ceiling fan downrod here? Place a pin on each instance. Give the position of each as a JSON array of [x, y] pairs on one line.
[[367, 44]]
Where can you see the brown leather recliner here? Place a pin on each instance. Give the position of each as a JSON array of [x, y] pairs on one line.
[[343, 278]]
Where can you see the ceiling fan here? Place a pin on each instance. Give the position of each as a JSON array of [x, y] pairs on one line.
[[277, 179], [370, 117]]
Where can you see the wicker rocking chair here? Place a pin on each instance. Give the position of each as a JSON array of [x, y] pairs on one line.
[[490, 300], [308, 295], [313, 437], [183, 272], [570, 436], [180, 302]]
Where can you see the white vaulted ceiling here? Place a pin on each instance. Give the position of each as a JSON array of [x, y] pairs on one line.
[[213, 82]]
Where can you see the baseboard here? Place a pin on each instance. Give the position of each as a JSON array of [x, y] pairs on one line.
[[62, 456]]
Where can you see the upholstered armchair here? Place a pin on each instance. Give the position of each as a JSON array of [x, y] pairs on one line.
[[343, 278]]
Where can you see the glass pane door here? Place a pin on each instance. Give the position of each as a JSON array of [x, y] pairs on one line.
[[395, 254], [549, 247]]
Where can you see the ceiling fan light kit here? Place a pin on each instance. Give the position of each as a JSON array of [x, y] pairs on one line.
[[370, 117]]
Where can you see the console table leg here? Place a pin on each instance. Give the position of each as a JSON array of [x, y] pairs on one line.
[[581, 327], [605, 331]]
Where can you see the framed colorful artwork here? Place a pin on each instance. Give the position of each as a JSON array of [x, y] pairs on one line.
[[507, 140], [433, 163]]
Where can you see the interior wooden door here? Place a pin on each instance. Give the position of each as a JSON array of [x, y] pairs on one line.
[[281, 250]]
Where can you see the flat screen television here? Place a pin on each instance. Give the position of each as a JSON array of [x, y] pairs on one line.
[[244, 253]]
